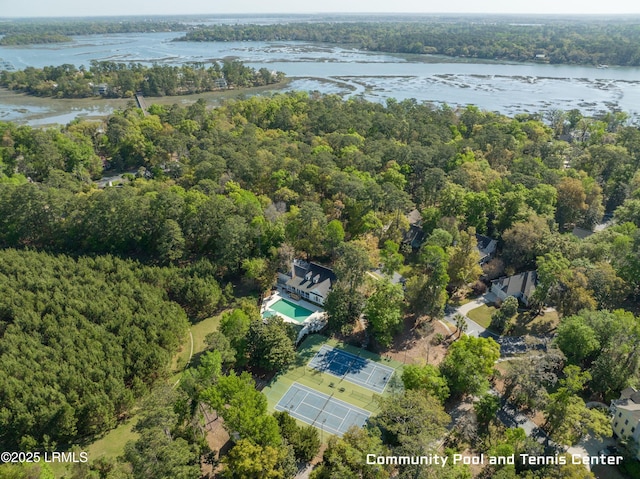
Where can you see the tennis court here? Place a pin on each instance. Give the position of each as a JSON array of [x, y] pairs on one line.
[[355, 369], [321, 411]]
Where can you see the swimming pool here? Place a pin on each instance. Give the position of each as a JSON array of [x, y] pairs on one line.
[[288, 309]]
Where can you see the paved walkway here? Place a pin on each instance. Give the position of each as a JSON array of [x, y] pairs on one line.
[[473, 328], [304, 472]]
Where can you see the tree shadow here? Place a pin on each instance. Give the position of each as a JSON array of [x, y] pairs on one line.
[[527, 322]]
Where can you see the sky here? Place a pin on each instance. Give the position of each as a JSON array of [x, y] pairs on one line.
[[45, 8]]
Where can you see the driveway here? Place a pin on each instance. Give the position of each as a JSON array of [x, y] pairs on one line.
[[591, 447], [473, 328], [509, 345]]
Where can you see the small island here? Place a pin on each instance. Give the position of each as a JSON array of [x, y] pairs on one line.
[[38, 31], [33, 38], [118, 80]]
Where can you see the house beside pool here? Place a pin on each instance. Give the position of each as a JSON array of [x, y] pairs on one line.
[[309, 281]]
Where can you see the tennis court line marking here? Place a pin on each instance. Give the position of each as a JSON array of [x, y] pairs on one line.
[[320, 409], [325, 349], [303, 402], [344, 419], [323, 409], [302, 388], [369, 376]]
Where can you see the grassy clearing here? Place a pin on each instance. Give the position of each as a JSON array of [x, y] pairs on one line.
[[180, 359], [525, 324], [60, 469], [299, 372], [111, 445], [199, 332], [457, 302], [482, 315]]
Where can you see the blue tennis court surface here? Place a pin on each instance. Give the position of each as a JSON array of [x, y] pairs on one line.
[[320, 410], [355, 369]]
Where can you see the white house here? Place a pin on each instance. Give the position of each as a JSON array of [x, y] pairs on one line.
[[626, 416], [309, 281]]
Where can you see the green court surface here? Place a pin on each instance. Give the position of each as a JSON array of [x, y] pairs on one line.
[[291, 310], [327, 384]]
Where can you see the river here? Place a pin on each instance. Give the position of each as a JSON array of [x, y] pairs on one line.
[[508, 88]]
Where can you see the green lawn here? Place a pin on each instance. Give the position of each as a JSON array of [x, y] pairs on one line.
[[525, 324], [111, 445], [482, 315], [199, 332], [299, 372], [457, 302]]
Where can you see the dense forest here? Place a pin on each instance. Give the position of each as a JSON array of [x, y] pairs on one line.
[[291, 156], [586, 42], [81, 340], [198, 198], [118, 80]]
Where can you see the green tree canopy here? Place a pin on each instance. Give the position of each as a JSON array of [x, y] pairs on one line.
[[426, 378], [346, 457], [384, 311], [271, 344], [469, 363], [243, 409]]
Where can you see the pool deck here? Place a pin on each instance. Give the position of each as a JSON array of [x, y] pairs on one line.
[[316, 311]]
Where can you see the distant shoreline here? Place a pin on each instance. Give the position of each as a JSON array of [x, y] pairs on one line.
[[99, 107]]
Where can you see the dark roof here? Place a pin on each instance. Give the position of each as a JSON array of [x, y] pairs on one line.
[[311, 276], [414, 236], [486, 247], [518, 284], [484, 242]]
